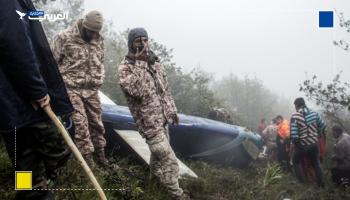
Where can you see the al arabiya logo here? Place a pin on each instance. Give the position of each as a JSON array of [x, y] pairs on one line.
[[40, 16], [21, 15]]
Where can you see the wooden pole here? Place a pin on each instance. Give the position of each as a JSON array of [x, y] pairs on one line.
[[75, 150]]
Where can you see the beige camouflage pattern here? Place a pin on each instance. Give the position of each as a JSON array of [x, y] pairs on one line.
[[89, 130], [81, 66], [150, 102], [148, 95], [220, 114], [163, 163], [269, 135], [80, 63]]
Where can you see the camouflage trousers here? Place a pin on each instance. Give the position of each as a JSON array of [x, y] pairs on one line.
[[163, 163], [39, 148], [89, 130]]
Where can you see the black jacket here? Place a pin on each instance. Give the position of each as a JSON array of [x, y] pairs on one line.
[[28, 70]]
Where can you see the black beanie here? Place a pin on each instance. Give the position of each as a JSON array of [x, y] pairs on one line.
[[133, 34]]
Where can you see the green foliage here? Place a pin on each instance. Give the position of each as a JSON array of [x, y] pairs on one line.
[[272, 175], [116, 49], [345, 24], [184, 86], [214, 182], [6, 174], [333, 97], [226, 183], [193, 92]]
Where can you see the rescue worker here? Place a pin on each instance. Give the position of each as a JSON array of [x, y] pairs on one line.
[[341, 157], [79, 52], [307, 165], [29, 81], [144, 83], [306, 128], [269, 135], [282, 140], [262, 126]]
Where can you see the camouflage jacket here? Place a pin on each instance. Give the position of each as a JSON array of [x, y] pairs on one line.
[[80, 63], [220, 114], [148, 95]]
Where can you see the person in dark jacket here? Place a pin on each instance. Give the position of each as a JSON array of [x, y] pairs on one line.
[[341, 157], [30, 80]]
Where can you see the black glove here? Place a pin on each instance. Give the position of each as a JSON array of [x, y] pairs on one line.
[[152, 58], [175, 118]]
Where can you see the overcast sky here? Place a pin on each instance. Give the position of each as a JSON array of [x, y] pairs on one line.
[[277, 41]]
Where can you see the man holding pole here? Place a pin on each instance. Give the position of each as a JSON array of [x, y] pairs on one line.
[[30, 80]]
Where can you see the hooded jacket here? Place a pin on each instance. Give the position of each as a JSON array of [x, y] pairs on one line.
[[342, 152]]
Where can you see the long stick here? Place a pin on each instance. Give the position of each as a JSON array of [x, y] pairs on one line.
[[75, 151]]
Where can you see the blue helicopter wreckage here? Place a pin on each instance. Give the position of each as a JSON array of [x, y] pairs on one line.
[[194, 138]]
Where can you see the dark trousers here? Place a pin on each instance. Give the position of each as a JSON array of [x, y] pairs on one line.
[[313, 154], [341, 177], [282, 153], [40, 149]]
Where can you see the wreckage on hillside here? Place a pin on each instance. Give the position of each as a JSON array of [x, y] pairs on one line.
[[194, 138]]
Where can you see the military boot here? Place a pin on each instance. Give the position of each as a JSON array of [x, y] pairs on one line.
[[100, 158], [102, 161]]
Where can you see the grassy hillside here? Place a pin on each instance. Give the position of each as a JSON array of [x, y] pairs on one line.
[[261, 180]]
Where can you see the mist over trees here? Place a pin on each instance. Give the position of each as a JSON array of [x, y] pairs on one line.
[[249, 100], [195, 92], [332, 97], [75, 9]]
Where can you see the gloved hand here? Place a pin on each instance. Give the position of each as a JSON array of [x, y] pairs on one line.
[[152, 58], [175, 119]]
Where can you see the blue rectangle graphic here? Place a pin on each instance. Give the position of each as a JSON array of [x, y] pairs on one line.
[[325, 19], [35, 13]]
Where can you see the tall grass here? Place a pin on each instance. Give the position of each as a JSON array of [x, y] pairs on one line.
[[259, 181]]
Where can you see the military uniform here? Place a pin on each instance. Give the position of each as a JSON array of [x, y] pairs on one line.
[[149, 99], [81, 66], [148, 96], [220, 114]]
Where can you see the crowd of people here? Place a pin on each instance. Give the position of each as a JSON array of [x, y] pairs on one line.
[[300, 144]]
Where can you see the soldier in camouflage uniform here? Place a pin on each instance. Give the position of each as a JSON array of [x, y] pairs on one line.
[[79, 52], [144, 82]]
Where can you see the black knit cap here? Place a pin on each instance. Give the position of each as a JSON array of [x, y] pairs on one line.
[[133, 34], [299, 102]]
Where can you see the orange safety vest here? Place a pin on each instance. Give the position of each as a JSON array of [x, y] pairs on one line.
[[283, 129]]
